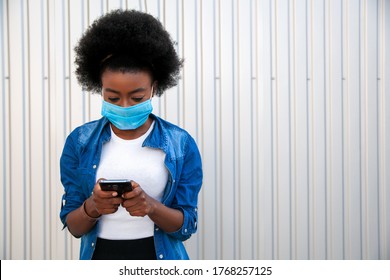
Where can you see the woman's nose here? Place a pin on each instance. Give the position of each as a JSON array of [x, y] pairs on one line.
[[125, 103]]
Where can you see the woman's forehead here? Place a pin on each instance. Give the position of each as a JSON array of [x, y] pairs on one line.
[[126, 78]]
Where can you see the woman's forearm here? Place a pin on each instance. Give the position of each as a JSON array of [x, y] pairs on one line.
[[81, 220], [168, 219]]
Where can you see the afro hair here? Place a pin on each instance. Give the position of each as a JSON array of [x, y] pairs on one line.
[[126, 40]]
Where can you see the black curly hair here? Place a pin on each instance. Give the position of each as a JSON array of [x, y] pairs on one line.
[[127, 41]]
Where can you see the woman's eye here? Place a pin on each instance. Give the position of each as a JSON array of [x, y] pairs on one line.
[[138, 99], [113, 99]]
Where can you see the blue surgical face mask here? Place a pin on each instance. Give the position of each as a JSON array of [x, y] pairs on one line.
[[127, 118]]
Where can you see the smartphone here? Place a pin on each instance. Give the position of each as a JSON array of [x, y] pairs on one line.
[[120, 186]]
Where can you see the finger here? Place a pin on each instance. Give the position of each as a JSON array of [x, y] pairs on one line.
[[140, 209], [108, 202], [137, 190], [97, 185], [135, 206], [106, 211], [99, 194], [104, 194], [128, 203], [137, 213], [134, 184], [105, 208], [135, 210]]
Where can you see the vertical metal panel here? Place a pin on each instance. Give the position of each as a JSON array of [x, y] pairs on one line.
[[335, 129], [37, 121], [254, 216], [59, 116], [353, 183], [318, 160], [209, 225], [19, 111], [171, 100], [245, 130], [227, 123], [288, 101], [76, 21], [191, 82], [118, 4], [370, 124], [385, 125], [56, 124], [299, 130], [265, 54], [93, 10], [5, 139], [383, 235], [282, 131]]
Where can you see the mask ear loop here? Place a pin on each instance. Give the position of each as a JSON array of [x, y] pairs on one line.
[[151, 94]]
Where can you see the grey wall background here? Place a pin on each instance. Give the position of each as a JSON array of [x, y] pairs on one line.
[[289, 101]]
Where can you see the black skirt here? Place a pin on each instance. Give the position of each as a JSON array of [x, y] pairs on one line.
[[137, 249]]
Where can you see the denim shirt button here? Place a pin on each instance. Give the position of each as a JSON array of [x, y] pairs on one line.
[[93, 244], [156, 228], [161, 256], [94, 166], [185, 230]]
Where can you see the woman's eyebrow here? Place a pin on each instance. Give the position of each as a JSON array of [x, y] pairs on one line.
[[111, 90], [130, 92], [136, 90]]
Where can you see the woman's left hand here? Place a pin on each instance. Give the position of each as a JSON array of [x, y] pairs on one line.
[[137, 202]]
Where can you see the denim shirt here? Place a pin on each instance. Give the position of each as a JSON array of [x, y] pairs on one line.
[[80, 159]]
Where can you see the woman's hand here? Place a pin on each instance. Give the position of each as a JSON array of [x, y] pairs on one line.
[[137, 202], [83, 219], [105, 202]]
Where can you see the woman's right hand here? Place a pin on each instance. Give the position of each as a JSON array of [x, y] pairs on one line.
[[104, 202], [81, 220]]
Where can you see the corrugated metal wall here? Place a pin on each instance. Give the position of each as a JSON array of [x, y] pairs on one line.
[[289, 102]]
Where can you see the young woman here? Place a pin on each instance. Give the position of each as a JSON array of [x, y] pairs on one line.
[[128, 57]]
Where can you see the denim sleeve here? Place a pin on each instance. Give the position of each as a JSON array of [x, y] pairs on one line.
[[73, 196], [188, 187]]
